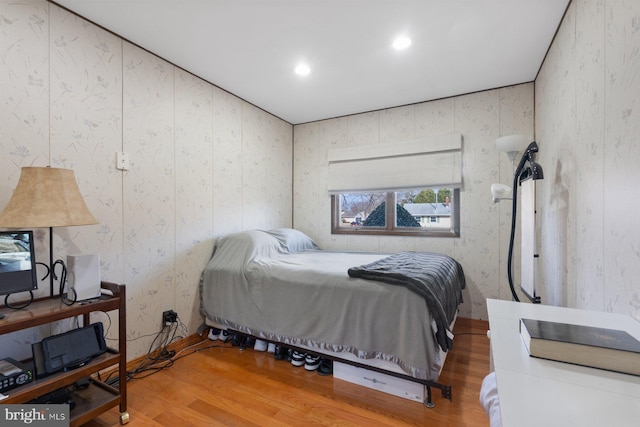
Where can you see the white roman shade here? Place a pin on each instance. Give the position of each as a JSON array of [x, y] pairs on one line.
[[428, 162]]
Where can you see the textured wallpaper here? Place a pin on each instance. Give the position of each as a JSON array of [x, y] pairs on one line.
[[484, 236], [203, 162], [588, 127]]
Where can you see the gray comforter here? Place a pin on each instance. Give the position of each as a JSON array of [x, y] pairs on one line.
[[278, 286], [437, 278]]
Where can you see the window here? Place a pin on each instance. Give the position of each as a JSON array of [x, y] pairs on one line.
[[367, 186], [418, 212]]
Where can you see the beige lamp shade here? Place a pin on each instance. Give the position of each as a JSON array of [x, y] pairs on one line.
[[46, 197]]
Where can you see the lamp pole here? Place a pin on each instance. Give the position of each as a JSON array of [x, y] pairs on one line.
[[51, 262]]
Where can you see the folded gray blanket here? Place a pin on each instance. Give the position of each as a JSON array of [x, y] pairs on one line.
[[438, 278]]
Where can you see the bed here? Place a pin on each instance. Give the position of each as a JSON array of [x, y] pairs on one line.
[[277, 285]]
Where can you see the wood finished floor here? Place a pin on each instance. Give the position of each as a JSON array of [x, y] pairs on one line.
[[224, 386]]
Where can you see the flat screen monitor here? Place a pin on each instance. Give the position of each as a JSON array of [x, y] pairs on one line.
[[17, 262]]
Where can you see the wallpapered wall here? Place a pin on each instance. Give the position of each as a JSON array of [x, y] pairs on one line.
[[480, 118], [203, 162], [588, 127]]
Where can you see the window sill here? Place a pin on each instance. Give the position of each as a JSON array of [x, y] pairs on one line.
[[381, 232]]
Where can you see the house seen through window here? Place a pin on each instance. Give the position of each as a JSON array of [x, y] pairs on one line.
[[424, 212]]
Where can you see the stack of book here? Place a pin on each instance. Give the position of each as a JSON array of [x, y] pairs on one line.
[[609, 349]]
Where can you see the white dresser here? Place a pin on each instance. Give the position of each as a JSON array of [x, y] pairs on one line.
[[542, 393]]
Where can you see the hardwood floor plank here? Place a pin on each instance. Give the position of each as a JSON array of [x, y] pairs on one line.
[[224, 386]]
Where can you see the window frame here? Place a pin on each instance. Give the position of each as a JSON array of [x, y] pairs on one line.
[[391, 229]]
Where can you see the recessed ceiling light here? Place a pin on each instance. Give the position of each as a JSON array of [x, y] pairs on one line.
[[302, 69], [401, 42]]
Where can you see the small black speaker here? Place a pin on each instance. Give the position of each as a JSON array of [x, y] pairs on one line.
[[38, 360]]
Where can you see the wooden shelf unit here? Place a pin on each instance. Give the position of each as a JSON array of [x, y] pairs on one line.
[[98, 397]]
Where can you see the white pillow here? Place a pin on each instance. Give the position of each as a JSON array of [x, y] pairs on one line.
[[293, 241]]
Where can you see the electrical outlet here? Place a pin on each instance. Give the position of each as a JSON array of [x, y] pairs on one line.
[[169, 317]]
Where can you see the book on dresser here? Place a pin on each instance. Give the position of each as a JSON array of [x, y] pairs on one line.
[[610, 349]]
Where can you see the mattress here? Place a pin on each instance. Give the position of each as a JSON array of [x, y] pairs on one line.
[[263, 284]]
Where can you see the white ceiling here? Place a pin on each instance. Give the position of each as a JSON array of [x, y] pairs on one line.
[[250, 47]]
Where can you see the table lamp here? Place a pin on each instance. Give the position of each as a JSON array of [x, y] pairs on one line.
[[46, 197]]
